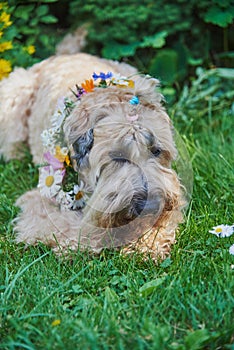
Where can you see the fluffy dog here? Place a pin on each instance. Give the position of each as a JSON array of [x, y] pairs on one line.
[[120, 142]]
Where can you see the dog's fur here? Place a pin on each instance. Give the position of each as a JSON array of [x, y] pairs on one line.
[[136, 199]]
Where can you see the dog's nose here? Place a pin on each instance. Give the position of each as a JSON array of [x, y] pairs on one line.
[[142, 205]]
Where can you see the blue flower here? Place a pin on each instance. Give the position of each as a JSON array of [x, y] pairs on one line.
[[134, 100], [102, 76]]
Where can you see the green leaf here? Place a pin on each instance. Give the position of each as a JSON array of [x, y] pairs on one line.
[[116, 51], [111, 301], [34, 22], [156, 41], [227, 73], [42, 10], [219, 17], [23, 12], [110, 296], [165, 66], [150, 287], [44, 39], [48, 19], [196, 339], [167, 262]]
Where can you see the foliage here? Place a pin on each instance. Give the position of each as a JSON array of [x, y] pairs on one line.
[[114, 301], [163, 38], [22, 34], [210, 91]]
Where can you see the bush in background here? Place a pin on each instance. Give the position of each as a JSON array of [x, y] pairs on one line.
[[164, 38], [24, 33]]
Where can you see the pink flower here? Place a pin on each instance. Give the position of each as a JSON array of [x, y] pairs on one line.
[[54, 162]]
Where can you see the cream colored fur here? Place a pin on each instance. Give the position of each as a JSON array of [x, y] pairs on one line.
[[27, 101]]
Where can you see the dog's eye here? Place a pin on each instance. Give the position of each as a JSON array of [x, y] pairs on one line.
[[118, 156], [156, 151]]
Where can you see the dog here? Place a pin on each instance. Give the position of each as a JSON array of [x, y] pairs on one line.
[[117, 147]]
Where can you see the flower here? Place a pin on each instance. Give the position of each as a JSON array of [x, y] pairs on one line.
[[59, 116], [30, 49], [5, 68], [102, 76], [120, 81], [50, 181], [222, 230], [88, 85], [79, 196], [231, 250], [62, 155], [2, 4], [65, 200], [56, 323], [47, 137], [7, 45], [79, 92], [5, 18], [53, 161]]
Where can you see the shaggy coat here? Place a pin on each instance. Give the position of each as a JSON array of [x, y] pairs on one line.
[[135, 198]]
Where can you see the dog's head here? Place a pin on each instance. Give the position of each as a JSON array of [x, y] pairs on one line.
[[123, 153]]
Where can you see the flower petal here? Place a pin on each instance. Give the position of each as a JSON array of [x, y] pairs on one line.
[[231, 250]]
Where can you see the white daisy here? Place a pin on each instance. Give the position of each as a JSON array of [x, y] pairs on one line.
[[50, 181], [231, 250], [79, 196], [47, 137], [223, 230], [65, 200], [58, 118], [119, 80]]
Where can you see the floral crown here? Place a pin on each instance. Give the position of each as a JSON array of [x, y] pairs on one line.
[[57, 178]]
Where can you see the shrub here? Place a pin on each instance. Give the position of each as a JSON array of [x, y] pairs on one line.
[[164, 38], [23, 40]]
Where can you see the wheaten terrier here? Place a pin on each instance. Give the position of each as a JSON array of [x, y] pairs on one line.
[[105, 145]]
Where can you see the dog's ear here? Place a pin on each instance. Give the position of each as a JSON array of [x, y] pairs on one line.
[[79, 133], [82, 147]]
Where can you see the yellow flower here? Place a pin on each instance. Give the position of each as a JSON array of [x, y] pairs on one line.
[[5, 18], [30, 49], [5, 68], [7, 45], [56, 323], [62, 155], [1, 33], [2, 4]]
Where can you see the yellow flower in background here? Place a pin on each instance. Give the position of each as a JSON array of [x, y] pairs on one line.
[[5, 18], [7, 45], [1, 33], [56, 323], [2, 4], [30, 49], [5, 68]]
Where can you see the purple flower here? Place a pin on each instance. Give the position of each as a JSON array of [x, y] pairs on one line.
[[80, 92], [54, 162], [102, 76]]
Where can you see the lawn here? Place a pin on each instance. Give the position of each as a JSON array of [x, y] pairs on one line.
[[113, 301]]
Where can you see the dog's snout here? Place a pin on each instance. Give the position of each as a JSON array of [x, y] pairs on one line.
[[144, 205]]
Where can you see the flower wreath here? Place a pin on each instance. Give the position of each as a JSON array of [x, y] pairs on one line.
[[57, 178]]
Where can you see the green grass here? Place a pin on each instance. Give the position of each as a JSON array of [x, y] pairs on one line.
[[120, 302]]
